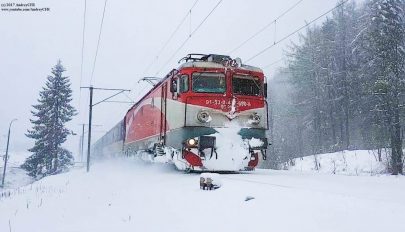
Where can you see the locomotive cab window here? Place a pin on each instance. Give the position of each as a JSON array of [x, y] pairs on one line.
[[208, 82], [183, 83], [173, 85], [246, 85]]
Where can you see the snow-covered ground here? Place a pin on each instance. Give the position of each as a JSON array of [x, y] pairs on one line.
[[357, 162], [127, 195], [15, 176]]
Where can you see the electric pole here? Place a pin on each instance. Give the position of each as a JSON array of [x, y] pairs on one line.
[[89, 137], [81, 142], [91, 88], [6, 156]]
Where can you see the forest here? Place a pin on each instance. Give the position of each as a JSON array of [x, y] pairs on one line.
[[342, 86]]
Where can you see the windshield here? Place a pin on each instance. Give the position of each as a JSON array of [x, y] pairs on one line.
[[208, 82], [246, 85]]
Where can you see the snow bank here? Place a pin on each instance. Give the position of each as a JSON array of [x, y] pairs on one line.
[[231, 150], [15, 176], [255, 142], [357, 162], [127, 195], [215, 178]]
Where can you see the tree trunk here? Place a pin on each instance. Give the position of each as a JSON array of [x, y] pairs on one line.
[[396, 142], [347, 131], [299, 134]]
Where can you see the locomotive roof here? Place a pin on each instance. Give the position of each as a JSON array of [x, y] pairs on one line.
[[210, 64], [205, 61]]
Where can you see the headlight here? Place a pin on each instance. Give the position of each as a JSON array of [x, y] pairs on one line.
[[254, 119], [203, 116], [191, 142]]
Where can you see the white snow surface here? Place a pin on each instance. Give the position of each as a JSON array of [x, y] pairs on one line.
[[15, 176], [357, 162], [255, 142], [232, 150], [215, 177], [129, 195]]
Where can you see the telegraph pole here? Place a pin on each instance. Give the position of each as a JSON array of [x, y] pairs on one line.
[[91, 88], [6, 157], [82, 144], [89, 136]]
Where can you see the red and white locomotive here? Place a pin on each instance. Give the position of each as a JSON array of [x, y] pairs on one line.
[[210, 114]]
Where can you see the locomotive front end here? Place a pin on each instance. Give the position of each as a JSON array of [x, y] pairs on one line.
[[224, 115]]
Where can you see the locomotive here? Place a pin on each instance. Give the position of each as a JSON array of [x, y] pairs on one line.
[[209, 114]]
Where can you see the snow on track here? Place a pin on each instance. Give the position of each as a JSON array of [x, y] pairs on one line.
[[125, 195]]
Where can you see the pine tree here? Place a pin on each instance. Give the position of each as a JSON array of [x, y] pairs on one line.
[[348, 83], [51, 114], [387, 36]]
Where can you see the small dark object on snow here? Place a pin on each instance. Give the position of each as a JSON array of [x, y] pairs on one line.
[[248, 198], [206, 184]]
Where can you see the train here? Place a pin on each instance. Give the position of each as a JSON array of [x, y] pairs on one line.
[[209, 114]]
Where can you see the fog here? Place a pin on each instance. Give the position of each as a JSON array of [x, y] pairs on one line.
[[133, 34]]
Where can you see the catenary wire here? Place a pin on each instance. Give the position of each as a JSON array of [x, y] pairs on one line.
[[81, 65], [265, 27], [83, 37], [273, 63], [98, 43], [170, 37], [188, 38], [296, 31]]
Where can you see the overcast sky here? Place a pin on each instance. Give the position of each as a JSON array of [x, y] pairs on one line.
[[133, 33]]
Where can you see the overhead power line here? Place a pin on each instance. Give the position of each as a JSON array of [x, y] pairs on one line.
[[297, 30], [206, 17], [136, 97], [81, 65], [265, 27], [188, 38], [98, 43], [91, 105], [273, 63], [172, 56], [83, 35], [171, 36]]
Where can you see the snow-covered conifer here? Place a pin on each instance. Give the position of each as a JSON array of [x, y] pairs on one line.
[[386, 37], [51, 114]]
